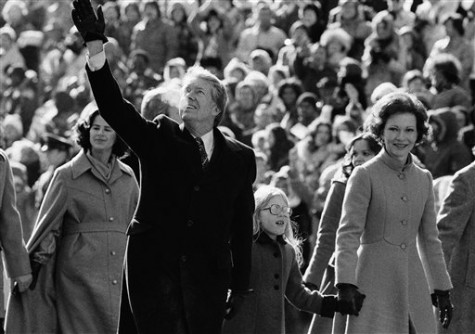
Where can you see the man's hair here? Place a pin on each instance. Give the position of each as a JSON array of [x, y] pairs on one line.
[[218, 91]]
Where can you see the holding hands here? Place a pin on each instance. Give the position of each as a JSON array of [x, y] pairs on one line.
[[441, 300], [350, 300], [90, 26]]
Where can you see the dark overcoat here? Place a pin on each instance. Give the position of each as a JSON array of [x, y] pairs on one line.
[[192, 235]]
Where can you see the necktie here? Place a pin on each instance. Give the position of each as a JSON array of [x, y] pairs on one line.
[[203, 154]]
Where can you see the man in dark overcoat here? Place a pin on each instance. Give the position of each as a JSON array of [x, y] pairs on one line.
[[190, 241]]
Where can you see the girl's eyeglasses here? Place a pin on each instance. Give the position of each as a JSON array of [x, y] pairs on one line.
[[276, 209]]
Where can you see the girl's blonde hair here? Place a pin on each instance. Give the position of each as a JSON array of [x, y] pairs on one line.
[[262, 197]]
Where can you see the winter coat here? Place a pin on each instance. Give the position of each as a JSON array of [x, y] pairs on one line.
[[13, 248], [447, 154], [80, 240], [388, 246], [456, 223], [191, 238], [275, 275]]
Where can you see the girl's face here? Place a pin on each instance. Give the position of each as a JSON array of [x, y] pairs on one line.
[[101, 135], [360, 153], [275, 217], [323, 136], [400, 135]]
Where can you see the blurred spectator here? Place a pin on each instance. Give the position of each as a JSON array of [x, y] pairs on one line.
[[380, 59], [25, 199], [236, 69], [307, 109], [62, 116], [349, 16], [381, 90], [311, 16], [444, 73], [402, 17], [156, 36], [213, 28], [276, 75], [444, 154], [115, 27], [414, 82], [9, 52], [187, 41], [12, 130], [457, 45], [15, 14], [262, 35], [20, 95], [311, 66], [262, 170], [298, 39], [130, 16], [141, 76], [410, 56], [260, 61], [58, 151], [337, 43], [246, 101], [278, 147], [175, 70], [27, 153], [161, 100], [289, 91]]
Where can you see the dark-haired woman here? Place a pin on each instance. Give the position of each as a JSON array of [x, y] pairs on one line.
[[78, 243], [387, 244], [360, 149]]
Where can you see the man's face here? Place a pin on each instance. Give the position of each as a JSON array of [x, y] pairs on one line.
[[197, 106]]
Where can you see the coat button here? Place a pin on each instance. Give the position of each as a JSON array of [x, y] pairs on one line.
[[276, 287], [276, 276], [111, 219], [108, 191], [114, 282], [404, 222], [196, 188], [403, 246], [404, 198], [401, 176], [183, 258], [112, 253], [276, 254], [189, 223]]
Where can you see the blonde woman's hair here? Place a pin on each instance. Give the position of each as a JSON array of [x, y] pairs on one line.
[[262, 197]]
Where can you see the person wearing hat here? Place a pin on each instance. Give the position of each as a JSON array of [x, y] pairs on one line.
[[57, 151]]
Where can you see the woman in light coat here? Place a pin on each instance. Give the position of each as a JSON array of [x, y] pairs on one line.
[[78, 243], [387, 244]]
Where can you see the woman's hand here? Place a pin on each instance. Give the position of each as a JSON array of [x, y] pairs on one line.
[[350, 300], [21, 283]]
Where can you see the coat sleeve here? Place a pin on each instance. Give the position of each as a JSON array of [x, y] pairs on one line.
[[455, 214], [43, 242], [429, 245], [241, 242], [325, 245], [11, 238], [137, 132], [297, 294], [355, 208]]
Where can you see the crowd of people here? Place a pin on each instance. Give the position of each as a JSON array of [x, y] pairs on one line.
[[360, 120]]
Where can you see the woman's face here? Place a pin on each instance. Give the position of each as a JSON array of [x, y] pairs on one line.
[[322, 136], [178, 15], [101, 136], [334, 47], [289, 96], [132, 15], [348, 10], [309, 18], [360, 153], [150, 12], [416, 85], [400, 135], [213, 23], [110, 15], [275, 224]]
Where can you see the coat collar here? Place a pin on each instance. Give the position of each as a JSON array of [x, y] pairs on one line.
[[263, 238], [393, 163], [80, 164]]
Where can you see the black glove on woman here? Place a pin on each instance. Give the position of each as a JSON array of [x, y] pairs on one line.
[[441, 299], [350, 300]]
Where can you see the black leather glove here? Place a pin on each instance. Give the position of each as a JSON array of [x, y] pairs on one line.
[[35, 269], [329, 306], [90, 26], [234, 303], [441, 299], [350, 300]]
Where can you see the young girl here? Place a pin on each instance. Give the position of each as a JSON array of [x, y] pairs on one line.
[[361, 149], [275, 272]]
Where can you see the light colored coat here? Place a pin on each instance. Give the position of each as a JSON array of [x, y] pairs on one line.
[[456, 223], [275, 275], [388, 246], [80, 240]]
